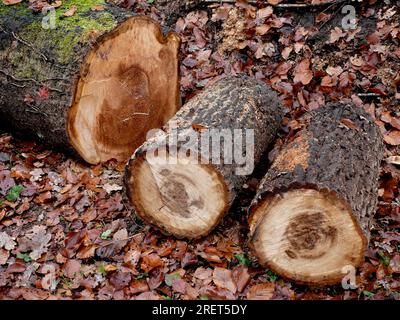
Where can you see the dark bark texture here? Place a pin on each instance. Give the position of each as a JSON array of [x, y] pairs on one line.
[[339, 151], [39, 67], [235, 102]]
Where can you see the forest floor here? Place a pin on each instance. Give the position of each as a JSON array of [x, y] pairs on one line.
[[65, 228]]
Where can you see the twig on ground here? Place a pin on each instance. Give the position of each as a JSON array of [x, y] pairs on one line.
[[281, 5]]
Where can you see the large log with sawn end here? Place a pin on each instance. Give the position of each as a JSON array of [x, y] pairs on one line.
[[312, 214], [96, 83]]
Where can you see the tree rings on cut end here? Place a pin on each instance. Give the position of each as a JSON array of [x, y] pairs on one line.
[[128, 85], [184, 197], [306, 235]]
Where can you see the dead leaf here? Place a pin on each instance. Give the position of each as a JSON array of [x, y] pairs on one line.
[[120, 279], [392, 138], [241, 276], [223, 279], [35, 240], [71, 268], [138, 286], [262, 291], [11, 2], [70, 12], [4, 255], [6, 241], [356, 61], [150, 262], [302, 72], [336, 34], [49, 282], [349, 124], [111, 188], [393, 160], [97, 8], [286, 52], [87, 252], [203, 273], [265, 12]]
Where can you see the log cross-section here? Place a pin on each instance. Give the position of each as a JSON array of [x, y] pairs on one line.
[[310, 219], [96, 83], [188, 196]]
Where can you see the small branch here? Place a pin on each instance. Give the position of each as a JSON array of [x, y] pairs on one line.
[[30, 46], [29, 80]]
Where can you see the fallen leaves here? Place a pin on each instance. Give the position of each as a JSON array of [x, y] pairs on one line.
[[336, 34], [35, 240], [150, 262], [302, 72], [223, 279], [4, 255], [43, 93], [70, 12], [6, 241], [71, 268], [92, 255], [392, 138], [11, 2], [262, 291]]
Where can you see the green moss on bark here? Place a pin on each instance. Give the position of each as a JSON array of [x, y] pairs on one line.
[[69, 31]]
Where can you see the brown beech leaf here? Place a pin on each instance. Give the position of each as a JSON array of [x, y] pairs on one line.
[[156, 278], [87, 252], [223, 279], [336, 34], [71, 268], [149, 295], [283, 68], [11, 2], [203, 273], [179, 285], [349, 124], [392, 138], [70, 12], [4, 255], [151, 261], [393, 160], [262, 291], [120, 279], [265, 12], [302, 72], [286, 52], [263, 29], [138, 286], [241, 276], [97, 8]]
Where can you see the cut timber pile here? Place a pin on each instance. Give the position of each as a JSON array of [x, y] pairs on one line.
[[189, 197], [311, 216], [97, 82]]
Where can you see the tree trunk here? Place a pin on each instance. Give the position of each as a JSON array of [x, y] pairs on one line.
[[97, 82], [311, 217], [184, 179]]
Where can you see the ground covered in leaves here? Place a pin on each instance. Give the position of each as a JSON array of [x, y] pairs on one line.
[[66, 231]]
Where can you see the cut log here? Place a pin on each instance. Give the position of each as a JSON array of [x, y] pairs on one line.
[[185, 187], [311, 216], [96, 83]]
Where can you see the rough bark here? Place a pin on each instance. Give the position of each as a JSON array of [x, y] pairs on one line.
[[230, 103], [42, 72], [337, 154]]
